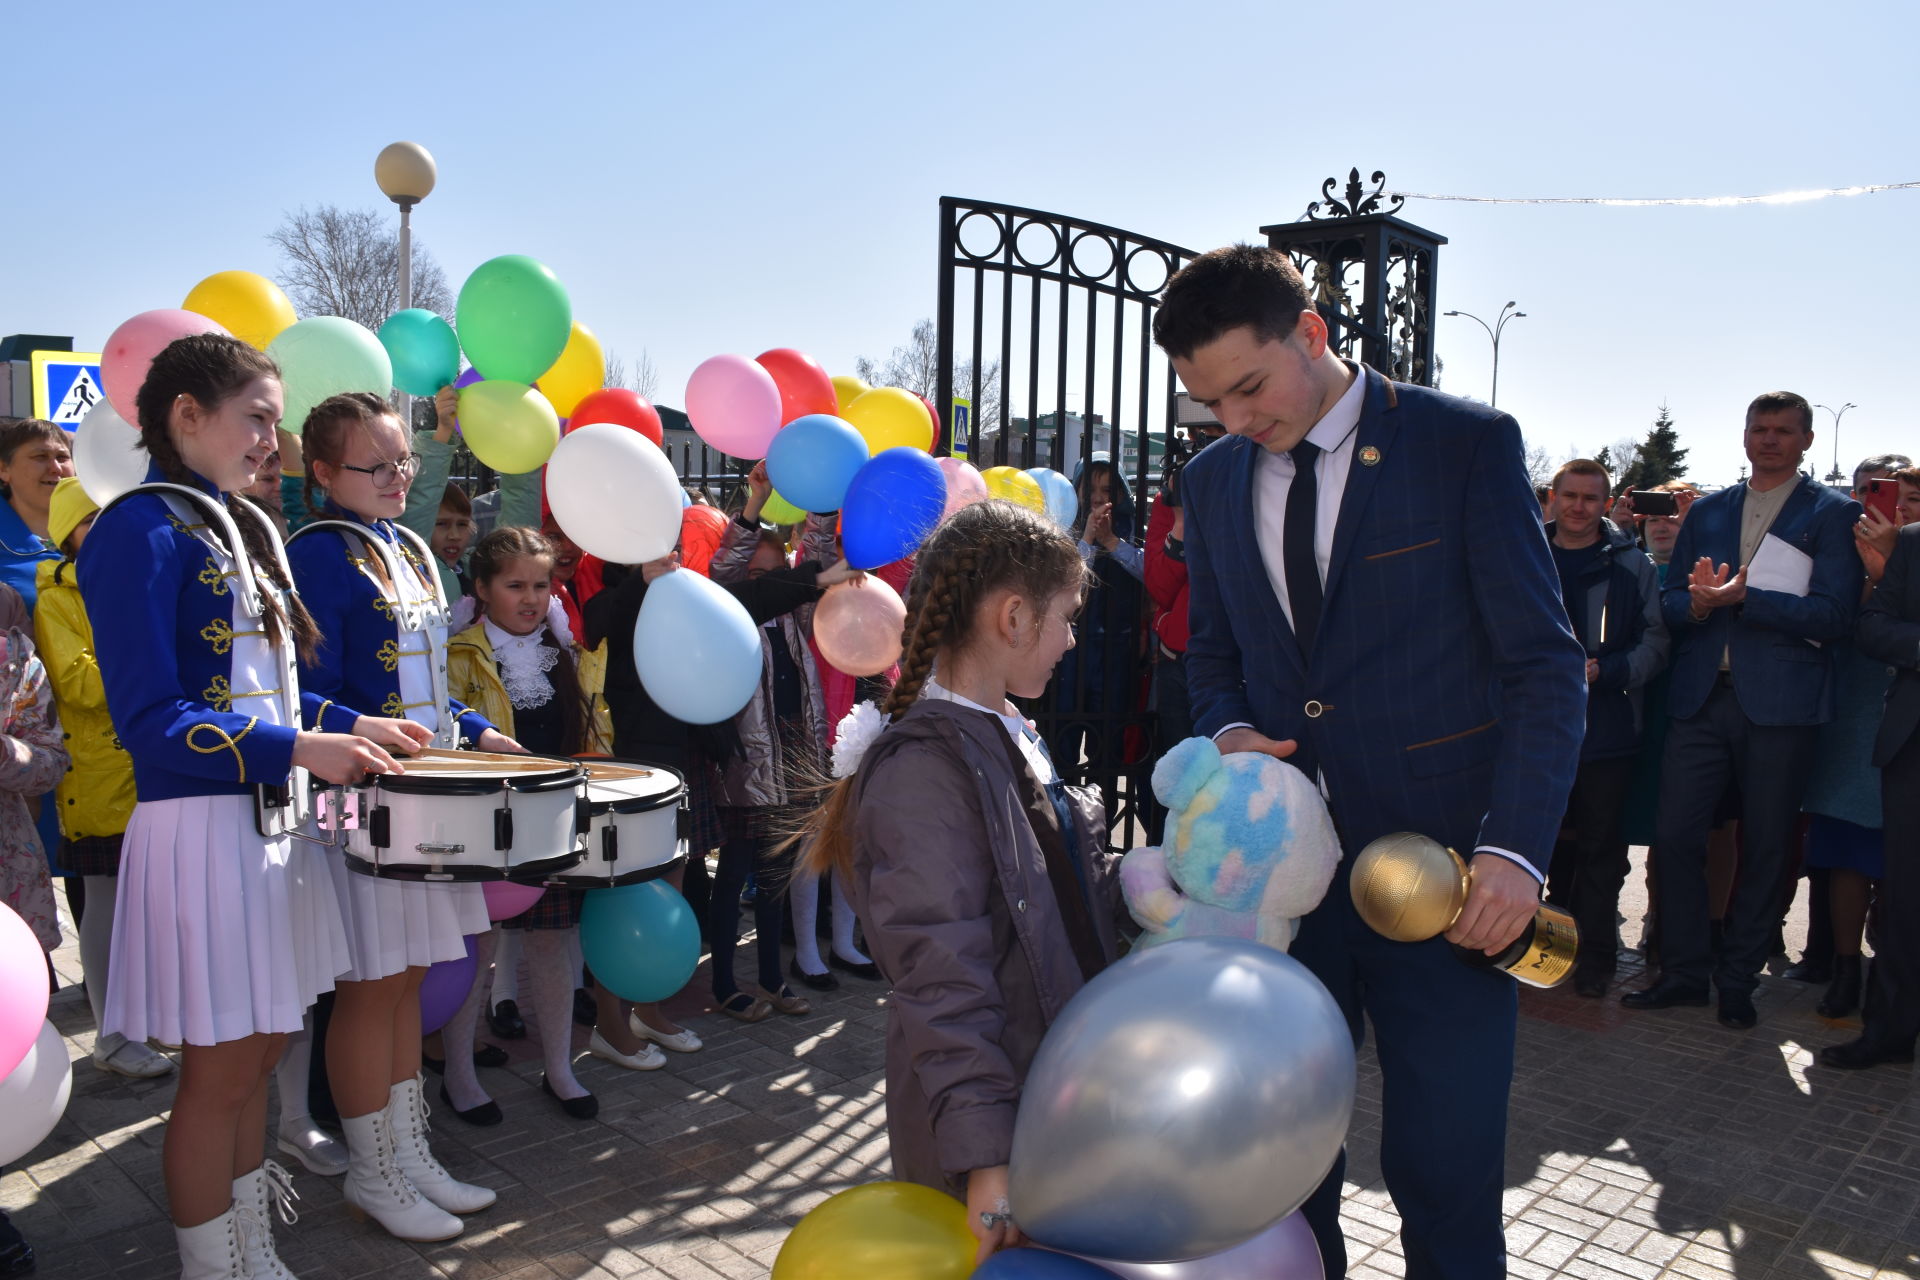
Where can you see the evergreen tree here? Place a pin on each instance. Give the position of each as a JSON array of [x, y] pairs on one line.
[[1660, 459]]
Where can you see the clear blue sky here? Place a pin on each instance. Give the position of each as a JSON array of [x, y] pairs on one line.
[[731, 177]]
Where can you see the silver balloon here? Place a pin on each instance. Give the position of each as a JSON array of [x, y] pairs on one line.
[[1185, 1100], [1284, 1251]]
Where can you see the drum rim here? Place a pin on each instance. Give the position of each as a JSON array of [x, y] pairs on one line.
[[560, 778], [622, 880], [634, 804]]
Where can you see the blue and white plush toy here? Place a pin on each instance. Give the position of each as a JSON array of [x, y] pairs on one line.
[[1249, 849]]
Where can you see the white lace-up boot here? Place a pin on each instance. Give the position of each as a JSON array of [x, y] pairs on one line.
[[407, 1113]]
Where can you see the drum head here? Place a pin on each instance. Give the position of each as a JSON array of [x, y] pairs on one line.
[[630, 788]]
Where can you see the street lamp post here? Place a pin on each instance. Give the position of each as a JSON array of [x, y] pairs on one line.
[[1493, 331], [1836, 476], [405, 172]]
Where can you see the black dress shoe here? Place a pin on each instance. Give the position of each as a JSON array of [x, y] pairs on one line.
[[1591, 985], [1843, 993], [505, 1020], [1736, 1011], [818, 981], [1809, 970], [487, 1113], [870, 971], [581, 1108], [1666, 994], [1867, 1051]]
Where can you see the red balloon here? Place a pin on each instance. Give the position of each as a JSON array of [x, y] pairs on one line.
[[621, 407], [805, 387], [933, 415], [701, 529]]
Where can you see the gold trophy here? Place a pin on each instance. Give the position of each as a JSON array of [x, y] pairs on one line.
[[1410, 887]]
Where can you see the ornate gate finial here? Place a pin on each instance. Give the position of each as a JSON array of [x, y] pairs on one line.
[[1359, 201]]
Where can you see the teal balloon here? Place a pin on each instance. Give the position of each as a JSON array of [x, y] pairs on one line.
[[696, 648], [1063, 502], [640, 940], [424, 350], [513, 317], [813, 459], [327, 356]]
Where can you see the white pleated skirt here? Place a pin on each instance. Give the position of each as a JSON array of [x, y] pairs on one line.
[[393, 925], [218, 933]]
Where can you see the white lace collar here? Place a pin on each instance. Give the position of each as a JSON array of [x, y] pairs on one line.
[[524, 663]]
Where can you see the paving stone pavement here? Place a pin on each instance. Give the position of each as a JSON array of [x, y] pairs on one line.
[[1640, 1146]]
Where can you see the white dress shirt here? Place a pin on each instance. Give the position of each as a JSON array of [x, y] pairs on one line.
[[1273, 478]]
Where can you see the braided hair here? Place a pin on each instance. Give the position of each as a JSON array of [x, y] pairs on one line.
[[981, 549], [212, 368]]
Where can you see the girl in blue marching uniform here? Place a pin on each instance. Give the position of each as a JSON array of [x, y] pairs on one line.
[[225, 928], [380, 670]]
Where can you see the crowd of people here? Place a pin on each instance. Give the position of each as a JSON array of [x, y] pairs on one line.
[[355, 612]]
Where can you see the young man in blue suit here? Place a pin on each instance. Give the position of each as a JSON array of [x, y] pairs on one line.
[[1764, 575], [1372, 599]]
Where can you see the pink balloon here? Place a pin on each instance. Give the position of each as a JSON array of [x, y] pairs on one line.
[[506, 899], [734, 405], [130, 351], [1284, 1251], [858, 626], [23, 988], [965, 486]]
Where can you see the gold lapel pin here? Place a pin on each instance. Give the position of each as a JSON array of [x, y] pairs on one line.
[[1369, 456]]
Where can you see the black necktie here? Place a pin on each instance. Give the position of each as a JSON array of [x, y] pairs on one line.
[[1296, 551]]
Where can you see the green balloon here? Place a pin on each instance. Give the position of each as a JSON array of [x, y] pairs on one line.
[[513, 318], [326, 356], [779, 511]]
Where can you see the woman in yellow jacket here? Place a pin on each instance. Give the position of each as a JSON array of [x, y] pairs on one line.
[[95, 795], [519, 668]]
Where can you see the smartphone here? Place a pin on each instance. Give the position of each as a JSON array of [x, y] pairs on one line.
[[1881, 495], [1654, 502]]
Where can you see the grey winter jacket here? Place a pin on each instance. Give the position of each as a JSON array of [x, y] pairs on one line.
[[763, 774], [951, 886]]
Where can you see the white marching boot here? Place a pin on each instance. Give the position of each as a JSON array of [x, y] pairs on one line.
[[407, 1114], [376, 1188], [256, 1197], [211, 1251]]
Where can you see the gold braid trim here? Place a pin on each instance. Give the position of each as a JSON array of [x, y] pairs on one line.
[[225, 742], [215, 579], [320, 716], [221, 636], [389, 655]]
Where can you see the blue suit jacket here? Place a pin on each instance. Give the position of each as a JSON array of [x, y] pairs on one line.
[[1782, 671], [1453, 692]]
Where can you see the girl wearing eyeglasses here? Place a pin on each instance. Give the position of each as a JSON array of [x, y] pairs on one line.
[[380, 667]]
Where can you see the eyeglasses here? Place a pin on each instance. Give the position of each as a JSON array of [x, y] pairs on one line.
[[386, 473]]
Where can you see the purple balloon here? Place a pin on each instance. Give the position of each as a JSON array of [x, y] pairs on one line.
[[444, 990], [1284, 1251], [467, 379]]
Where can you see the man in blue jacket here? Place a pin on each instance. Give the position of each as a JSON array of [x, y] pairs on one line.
[[1764, 575], [1372, 600]]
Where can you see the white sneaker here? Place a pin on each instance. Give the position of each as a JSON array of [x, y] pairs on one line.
[[648, 1059], [133, 1060], [681, 1041]]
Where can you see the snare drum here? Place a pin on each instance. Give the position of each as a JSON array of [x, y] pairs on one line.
[[465, 816], [635, 825]]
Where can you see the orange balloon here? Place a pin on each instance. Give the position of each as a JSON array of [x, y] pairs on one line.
[[701, 528]]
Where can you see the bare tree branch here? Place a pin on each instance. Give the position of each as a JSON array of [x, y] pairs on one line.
[[915, 367], [642, 376], [346, 262]]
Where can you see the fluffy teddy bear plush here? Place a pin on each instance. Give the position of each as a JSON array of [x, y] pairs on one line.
[[1248, 849]]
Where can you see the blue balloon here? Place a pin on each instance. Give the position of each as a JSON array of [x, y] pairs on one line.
[[640, 940], [424, 350], [1033, 1264], [891, 507], [1063, 504], [813, 459], [696, 649]]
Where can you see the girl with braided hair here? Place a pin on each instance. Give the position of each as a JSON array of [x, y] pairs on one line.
[[982, 882]]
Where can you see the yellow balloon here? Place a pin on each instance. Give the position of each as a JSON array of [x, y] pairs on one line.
[[887, 417], [250, 306], [1016, 486], [580, 371], [779, 511], [893, 1229], [508, 425], [847, 389]]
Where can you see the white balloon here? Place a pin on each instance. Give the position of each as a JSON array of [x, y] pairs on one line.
[[614, 493], [34, 1095], [107, 455]]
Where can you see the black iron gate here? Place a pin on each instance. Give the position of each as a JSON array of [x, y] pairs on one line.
[[1046, 344]]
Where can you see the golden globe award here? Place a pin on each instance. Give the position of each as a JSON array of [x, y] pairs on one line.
[[1410, 887]]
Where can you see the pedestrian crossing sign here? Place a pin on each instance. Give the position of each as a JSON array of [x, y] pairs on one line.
[[66, 385]]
